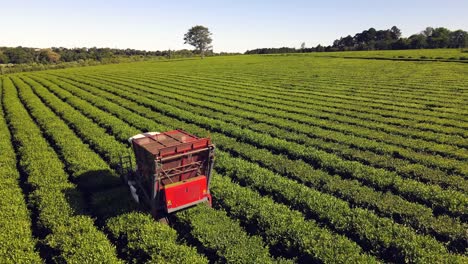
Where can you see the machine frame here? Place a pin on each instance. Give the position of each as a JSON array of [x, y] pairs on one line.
[[173, 171]]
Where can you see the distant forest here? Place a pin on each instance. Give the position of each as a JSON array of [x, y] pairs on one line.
[[23, 55], [388, 39]]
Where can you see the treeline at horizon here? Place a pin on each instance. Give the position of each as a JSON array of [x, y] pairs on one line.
[[388, 39], [371, 39], [54, 55]]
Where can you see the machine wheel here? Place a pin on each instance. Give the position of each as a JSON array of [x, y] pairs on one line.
[[133, 189], [124, 178], [210, 201], [164, 220]]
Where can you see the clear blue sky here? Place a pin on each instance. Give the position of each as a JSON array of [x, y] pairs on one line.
[[236, 25]]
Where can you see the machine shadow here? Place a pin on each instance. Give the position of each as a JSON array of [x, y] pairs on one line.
[[100, 194]]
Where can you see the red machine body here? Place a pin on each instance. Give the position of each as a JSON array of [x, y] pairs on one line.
[[186, 193], [173, 170]]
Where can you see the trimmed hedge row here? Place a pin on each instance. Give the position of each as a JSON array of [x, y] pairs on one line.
[[284, 229], [392, 107], [17, 244], [421, 218], [83, 126], [320, 125], [392, 161], [56, 86], [277, 83], [382, 222], [418, 216], [144, 240], [356, 109], [354, 247], [443, 200], [73, 237], [86, 168], [83, 162], [221, 223], [223, 236], [309, 109], [391, 241], [342, 124], [112, 124], [332, 141]]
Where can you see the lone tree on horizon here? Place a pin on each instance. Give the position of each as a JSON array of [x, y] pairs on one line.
[[199, 37]]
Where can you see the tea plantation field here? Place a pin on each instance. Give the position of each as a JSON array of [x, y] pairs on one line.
[[319, 160]]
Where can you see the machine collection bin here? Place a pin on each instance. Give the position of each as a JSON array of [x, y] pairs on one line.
[[173, 170]]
